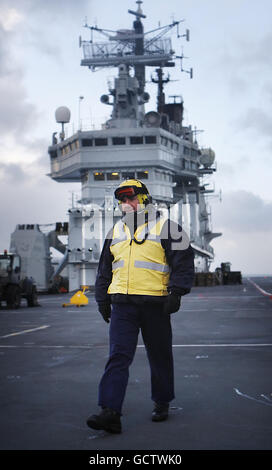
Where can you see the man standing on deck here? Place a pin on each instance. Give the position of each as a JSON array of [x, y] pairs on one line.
[[146, 266]]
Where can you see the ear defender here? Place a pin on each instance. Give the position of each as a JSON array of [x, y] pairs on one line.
[[144, 199]]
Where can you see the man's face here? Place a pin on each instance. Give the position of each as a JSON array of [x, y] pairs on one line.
[[130, 204]]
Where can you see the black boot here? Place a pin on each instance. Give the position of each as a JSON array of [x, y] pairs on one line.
[[160, 412], [108, 420]]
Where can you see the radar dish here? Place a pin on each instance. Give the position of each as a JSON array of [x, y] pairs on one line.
[[63, 114], [152, 119], [105, 99], [207, 157]]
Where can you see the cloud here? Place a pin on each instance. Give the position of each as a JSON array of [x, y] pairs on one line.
[[254, 54], [29, 200], [40, 7], [5, 63], [31, 32], [256, 119], [245, 221], [17, 113], [248, 54], [256, 124], [12, 172], [39, 25], [243, 212], [9, 17], [238, 85], [250, 254], [246, 64], [27, 171]]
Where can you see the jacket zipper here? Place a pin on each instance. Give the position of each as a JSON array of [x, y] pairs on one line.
[[129, 256]]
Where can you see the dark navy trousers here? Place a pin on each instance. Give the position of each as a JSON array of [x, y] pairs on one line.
[[127, 319]]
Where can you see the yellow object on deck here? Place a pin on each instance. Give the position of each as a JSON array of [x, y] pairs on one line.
[[79, 298]]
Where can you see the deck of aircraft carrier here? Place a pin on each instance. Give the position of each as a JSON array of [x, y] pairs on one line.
[[52, 359]]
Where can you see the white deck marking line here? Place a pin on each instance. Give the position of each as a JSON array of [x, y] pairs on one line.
[[25, 331], [264, 292], [252, 398], [48, 346], [211, 297], [230, 345]]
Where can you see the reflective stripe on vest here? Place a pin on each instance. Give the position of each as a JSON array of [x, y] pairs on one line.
[[139, 268], [118, 264], [148, 265]]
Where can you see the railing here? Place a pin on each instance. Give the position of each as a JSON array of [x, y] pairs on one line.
[[108, 51]]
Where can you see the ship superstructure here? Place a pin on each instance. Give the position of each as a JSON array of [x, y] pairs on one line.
[[154, 147]]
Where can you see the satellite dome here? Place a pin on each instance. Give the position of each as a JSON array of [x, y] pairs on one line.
[[207, 157], [152, 119], [63, 114], [105, 99]]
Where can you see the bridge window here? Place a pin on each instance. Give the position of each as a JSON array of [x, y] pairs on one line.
[[100, 142], [136, 140], [99, 176], [175, 146], [118, 140], [128, 175], [113, 176], [150, 139], [87, 142], [142, 175]]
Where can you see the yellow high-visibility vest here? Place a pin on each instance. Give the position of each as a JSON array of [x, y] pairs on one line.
[[139, 268]]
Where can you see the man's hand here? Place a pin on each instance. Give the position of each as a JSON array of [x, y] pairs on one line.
[[105, 310], [172, 303]]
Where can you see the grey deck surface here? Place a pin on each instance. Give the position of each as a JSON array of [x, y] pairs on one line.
[[52, 359]]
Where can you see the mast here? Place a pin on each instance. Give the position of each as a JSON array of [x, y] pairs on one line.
[[160, 81], [128, 49], [139, 45]]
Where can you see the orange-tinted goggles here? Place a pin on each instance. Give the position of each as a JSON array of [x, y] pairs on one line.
[[121, 193]]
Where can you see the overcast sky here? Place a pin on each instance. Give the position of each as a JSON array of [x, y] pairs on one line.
[[229, 98]]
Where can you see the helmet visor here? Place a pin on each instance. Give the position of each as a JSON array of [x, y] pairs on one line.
[[121, 193]]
